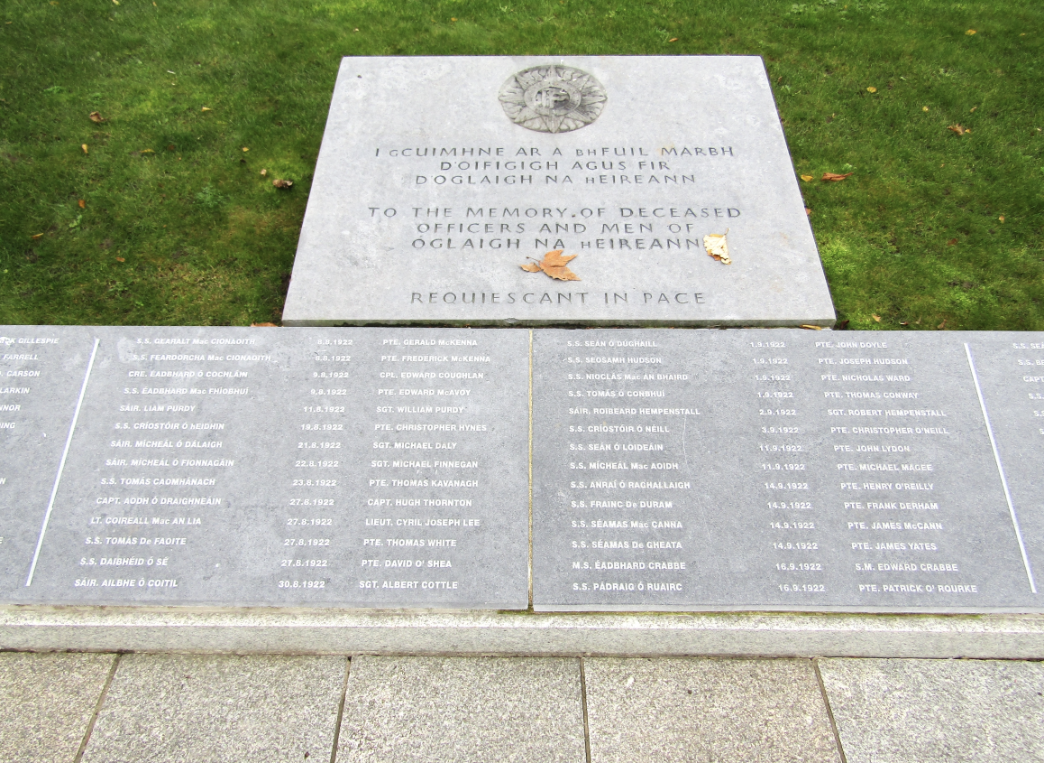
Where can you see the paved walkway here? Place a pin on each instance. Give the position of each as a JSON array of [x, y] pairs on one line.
[[135, 708]]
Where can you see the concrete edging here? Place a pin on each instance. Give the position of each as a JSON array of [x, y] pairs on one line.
[[311, 631]]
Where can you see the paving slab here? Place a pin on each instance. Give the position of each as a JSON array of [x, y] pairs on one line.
[[462, 709], [175, 708], [48, 701], [706, 710], [921, 711]]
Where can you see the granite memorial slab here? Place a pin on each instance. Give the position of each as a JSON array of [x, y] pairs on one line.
[[371, 468], [42, 371], [788, 470], [612, 190]]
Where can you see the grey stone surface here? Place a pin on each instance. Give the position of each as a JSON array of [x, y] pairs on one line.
[[462, 709], [429, 195], [48, 701], [929, 711], [42, 369], [184, 709], [1010, 370], [330, 631], [362, 467], [707, 709], [766, 470]]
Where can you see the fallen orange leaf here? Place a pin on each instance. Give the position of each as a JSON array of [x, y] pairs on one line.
[[95, 117], [554, 266], [808, 211], [37, 235], [673, 39], [263, 325], [952, 242], [1001, 218], [120, 259], [833, 176], [83, 204], [958, 129], [876, 317]]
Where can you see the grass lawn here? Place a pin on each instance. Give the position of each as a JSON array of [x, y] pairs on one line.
[[159, 214]]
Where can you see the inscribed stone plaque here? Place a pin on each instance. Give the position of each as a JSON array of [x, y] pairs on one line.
[[443, 184], [42, 369], [354, 467], [773, 470]]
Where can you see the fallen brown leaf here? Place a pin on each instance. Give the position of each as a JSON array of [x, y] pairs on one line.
[[96, 117], [120, 259], [554, 266], [280, 183], [807, 178], [957, 129], [37, 235], [717, 246], [834, 177], [808, 211], [876, 317], [952, 242], [263, 325], [264, 173], [904, 323], [673, 39], [942, 325], [810, 327], [82, 203]]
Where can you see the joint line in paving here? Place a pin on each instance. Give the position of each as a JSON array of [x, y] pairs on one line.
[[340, 710], [97, 709], [583, 702], [829, 710]]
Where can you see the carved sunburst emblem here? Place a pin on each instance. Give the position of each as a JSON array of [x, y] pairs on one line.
[[552, 98]]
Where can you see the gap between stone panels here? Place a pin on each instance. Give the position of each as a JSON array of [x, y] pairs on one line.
[[97, 708]]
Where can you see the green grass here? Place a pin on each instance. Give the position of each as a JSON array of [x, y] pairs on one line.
[[178, 226]]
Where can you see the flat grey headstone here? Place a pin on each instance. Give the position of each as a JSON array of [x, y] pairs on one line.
[[439, 178], [768, 470], [362, 467]]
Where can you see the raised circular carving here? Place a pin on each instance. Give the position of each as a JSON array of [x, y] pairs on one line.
[[552, 98]]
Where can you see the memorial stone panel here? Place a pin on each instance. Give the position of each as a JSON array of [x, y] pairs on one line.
[[1010, 372], [351, 467], [765, 469], [651, 190], [42, 369]]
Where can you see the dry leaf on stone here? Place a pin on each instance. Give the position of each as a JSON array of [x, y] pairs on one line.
[[554, 266], [717, 246], [834, 177], [280, 183], [96, 117]]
